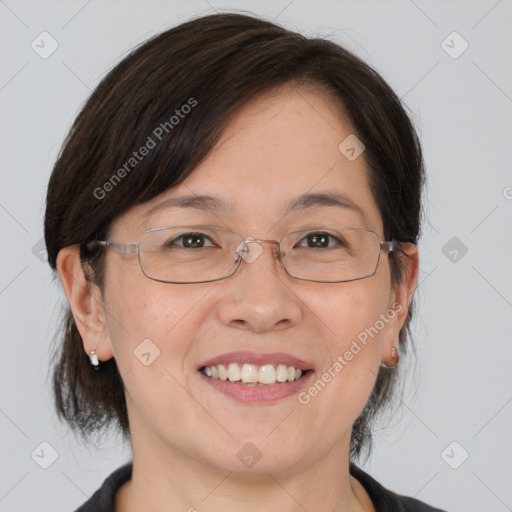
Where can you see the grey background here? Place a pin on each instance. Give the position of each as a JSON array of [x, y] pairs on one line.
[[461, 388]]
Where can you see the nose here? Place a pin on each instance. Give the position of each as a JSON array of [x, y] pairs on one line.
[[258, 296]]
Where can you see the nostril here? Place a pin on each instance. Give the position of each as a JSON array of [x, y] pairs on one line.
[[239, 323]]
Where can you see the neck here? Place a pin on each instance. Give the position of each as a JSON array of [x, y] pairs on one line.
[[164, 478]]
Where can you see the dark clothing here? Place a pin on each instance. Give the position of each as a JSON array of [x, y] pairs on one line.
[[383, 500]]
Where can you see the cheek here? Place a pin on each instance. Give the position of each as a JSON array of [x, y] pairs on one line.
[[151, 326], [350, 313], [138, 310], [352, 351]]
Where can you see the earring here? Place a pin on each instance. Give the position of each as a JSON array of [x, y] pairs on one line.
[[94, 360], [395, 356]]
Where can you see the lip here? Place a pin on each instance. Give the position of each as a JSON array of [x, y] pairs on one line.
[[258, 393], [241, 357]]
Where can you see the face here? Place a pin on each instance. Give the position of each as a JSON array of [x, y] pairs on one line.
[[279, 147]]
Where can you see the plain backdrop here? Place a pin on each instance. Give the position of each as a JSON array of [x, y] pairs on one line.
[[450, 442]]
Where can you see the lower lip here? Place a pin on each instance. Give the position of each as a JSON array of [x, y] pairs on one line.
[[258, 393]]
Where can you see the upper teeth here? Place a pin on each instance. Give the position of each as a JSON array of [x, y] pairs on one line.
[[250, 373]]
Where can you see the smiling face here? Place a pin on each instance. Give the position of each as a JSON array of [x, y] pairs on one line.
[[279, 147]]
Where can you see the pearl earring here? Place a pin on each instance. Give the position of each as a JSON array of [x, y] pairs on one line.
[[94, 360]]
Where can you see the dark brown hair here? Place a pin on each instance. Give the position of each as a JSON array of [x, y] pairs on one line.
[[220, 62]]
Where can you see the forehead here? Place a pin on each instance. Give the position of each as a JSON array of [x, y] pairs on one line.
[[278, 157]]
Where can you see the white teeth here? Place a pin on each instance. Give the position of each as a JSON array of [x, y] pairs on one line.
[[223, 373], [233, 372], [249, 373], [282, 373], [252, 374], [267, 374]]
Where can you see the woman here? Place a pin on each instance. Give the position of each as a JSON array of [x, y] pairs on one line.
[[234, 219]]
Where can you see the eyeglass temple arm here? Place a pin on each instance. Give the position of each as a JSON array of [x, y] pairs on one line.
[[392, 245], [124, 248]]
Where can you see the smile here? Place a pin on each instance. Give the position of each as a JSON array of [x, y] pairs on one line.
[[251, 374], [249, 377]]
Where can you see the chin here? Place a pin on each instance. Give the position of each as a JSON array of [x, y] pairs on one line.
[[255, 455]]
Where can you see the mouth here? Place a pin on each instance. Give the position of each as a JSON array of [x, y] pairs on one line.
[[249, 377]]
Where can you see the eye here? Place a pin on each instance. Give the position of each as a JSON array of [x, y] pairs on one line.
[[321, 240], [191, 240]]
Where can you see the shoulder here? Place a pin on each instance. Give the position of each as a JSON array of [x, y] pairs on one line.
[[103, 499], [385, 500]]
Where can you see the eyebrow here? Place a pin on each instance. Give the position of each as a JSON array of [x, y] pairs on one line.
[[304, 201]]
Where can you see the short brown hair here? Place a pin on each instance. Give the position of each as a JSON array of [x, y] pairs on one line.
[[221, 61]]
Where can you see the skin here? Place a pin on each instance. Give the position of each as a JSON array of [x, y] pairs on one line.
[[185, 434]]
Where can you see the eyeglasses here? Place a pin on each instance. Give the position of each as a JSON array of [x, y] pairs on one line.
[[200, 254]]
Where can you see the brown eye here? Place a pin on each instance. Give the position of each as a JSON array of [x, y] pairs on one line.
[[320, 240], [190, 240]]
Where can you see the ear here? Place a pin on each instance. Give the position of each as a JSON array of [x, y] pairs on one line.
[[86, 303], [399, 301]]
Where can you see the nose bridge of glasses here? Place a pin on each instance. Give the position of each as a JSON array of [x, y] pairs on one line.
[[249, 254]]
